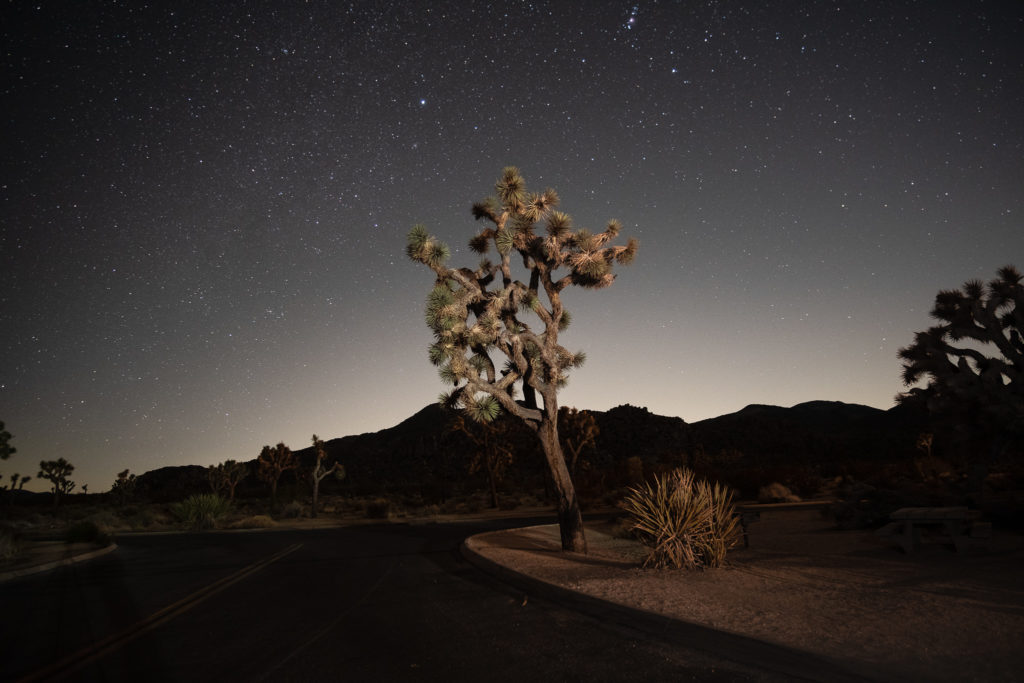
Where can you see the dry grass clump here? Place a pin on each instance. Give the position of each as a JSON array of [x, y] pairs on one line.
[[253, 522], [776, 493], [685, 522]]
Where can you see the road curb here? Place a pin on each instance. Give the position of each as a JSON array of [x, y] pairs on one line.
[[47, 566], [792, 663]]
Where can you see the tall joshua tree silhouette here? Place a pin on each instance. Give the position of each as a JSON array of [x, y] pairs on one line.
[[973, 361], [272, 463], [478, 315]]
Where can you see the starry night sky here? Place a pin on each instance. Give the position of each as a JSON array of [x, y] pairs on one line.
[[204, 209]]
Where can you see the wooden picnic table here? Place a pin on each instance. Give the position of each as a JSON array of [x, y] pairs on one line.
[[955, 523]]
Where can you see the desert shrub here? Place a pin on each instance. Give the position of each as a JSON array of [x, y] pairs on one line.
[[151, 516], [201, 511], [686, 523], [253, 522], [378, 508], [86, 532], [429, 511], [10, 543], [292, 510], [106, 519], [776, 493]]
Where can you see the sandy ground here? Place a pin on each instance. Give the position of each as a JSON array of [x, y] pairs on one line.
[[846, 595]]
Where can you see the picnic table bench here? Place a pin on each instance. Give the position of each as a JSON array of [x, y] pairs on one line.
[[957, 525]]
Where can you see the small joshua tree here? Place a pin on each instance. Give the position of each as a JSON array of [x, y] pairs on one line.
[[226, 477], [123, 488], [57, 473], [579, 431], [273, 462], [320, 470], [17, 483], [973, 361], [481, 314], [493, 452], [6, 449]]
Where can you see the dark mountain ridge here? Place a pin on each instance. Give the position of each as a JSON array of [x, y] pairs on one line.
[[421, 457]]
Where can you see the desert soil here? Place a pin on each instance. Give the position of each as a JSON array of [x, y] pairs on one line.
[[845, 595]]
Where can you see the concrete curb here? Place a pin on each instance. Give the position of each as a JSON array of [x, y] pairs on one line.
[[792, 663], [47, 566]]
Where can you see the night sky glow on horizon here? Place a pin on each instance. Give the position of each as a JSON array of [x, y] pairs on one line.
[[204, 208]]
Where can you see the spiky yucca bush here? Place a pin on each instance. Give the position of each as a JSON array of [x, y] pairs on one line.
[[202, 511], [685, 522]]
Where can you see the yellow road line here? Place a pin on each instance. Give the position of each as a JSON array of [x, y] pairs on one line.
[[111, 643]]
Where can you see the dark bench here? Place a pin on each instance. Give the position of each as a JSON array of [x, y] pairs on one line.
[[957, 525]]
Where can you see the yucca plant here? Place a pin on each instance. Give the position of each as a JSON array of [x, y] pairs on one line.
[[202, 511], [685, 522]]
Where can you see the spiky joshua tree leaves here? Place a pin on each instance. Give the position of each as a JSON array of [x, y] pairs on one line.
[[481, 315], [972, 362]]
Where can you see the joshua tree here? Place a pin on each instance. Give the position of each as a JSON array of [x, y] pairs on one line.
[[17, 483], [6, 449], [493, 450], [226, 476], [320, 470], [124, 487], [477, 313], [579, 430], [273, 462], [57, 472], [969, 384]]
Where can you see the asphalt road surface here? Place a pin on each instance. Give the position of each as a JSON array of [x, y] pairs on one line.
[[369, 603]]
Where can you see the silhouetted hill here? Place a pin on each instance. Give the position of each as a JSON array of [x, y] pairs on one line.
[[169, 484], [817, 431], [421, 457], [627, 431]]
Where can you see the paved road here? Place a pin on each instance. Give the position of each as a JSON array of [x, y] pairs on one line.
[[371, 603]]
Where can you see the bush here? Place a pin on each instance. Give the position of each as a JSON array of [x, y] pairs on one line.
[[292, 510], [378, 508], [10, 543], [776, 493], [86, 532], [686, 523], [202, 511]]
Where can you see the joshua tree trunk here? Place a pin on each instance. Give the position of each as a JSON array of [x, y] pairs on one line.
[[570, 519]]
